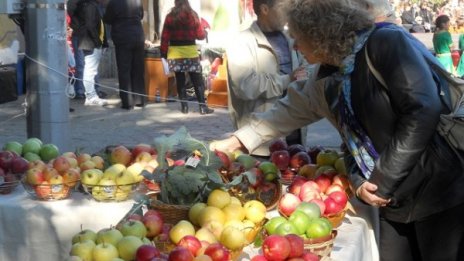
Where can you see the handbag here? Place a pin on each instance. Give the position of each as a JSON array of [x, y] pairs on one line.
[[450, 126]]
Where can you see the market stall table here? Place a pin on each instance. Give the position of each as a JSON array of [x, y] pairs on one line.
[[42, 230]]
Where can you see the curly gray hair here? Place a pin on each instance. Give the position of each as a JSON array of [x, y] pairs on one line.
[[330, 26]]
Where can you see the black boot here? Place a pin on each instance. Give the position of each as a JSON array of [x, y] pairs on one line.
[[205, 109], [185, 107], [200, 93]]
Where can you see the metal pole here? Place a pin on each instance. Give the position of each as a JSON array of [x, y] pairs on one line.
[[46, 72]]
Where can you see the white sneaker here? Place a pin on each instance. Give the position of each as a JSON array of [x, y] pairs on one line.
[[95, 101]]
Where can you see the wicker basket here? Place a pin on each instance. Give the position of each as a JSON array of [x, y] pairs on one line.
[[337, 218], [321, 246], [170, 213]]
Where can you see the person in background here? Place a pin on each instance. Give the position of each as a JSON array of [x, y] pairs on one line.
[[79, 89], [460, 67], [407, 169], [261, 64], [443, 43], [91, 35], [182, 27], [125, 18]]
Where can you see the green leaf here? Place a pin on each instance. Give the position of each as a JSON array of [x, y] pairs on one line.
[[237, 180], [164, 144], [251, 176]]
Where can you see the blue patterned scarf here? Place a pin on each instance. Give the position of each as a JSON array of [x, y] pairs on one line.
[[353, 134]]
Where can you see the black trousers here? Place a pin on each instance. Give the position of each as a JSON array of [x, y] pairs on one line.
[[438, 237], [130, 59], [198, 85]]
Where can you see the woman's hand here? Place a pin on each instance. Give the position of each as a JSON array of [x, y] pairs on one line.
[[228, 145], [366, 192]]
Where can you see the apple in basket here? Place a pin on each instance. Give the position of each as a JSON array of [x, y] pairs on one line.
[[191, 243], [217, 252], [276, 247], [288, 203], [147, 253], [104, 251], [180, 254], [277, 144]]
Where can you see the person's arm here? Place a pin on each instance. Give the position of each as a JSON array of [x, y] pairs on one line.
[[247, 80], [415, 100], [90, 22], [165, 36]]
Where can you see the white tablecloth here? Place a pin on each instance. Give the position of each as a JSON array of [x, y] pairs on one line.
[[42, 230], [32, 230]]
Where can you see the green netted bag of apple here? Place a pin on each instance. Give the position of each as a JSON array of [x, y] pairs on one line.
[[192, 178], [259, 180]]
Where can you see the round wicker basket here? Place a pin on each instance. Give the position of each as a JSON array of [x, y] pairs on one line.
[[336, 219], [171, 213], [321, 246]]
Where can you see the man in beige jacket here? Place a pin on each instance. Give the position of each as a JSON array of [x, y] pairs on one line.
[[261, 65]]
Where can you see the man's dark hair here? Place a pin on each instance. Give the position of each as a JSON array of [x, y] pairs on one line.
[[258, 3]]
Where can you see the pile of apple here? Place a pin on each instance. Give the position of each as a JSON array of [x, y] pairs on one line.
[[118, 181], [288, 159], [53, 180], [33, 149], [12, 167], [260, 178], [326, 191], [129, 241], [288, 247]]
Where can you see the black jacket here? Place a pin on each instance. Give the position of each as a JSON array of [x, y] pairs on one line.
[[89, 21], [125, 18], [416, 167]]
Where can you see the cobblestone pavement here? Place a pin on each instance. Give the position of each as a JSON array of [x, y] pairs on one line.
[[93, 128]]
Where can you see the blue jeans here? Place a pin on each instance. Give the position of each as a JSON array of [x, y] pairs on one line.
[[80, 63], [92, 61]]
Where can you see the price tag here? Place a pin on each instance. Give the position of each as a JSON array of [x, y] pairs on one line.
[[193, 161]]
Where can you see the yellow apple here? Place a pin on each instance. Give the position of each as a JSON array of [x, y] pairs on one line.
[[233, 238], [215, 227], [181, 229], [235, 200], [203, 234], [234, 212], [255, 211], [211, 213], [87, 165], [218, 198], [136, 169], [194, 212], [234, 223]]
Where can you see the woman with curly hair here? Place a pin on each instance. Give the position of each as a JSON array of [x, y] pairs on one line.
[[181, 28], [387, 113], [443, 43]]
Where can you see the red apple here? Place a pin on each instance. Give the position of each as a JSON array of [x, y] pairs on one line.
[[295, 148], [334, 187], [38, 164], [179, 162], [281, 158], [5, 159], [331, 207], [191, 243], [309, 256], [223, 157], [323, 181], [142, 147], [146, 253], [341, 180], [288, 174], [299, 159], [121, 155], [320, 203], [217, 252], [61, 164], [259, 258], [288, 204], [153, 212], [296, 185], [19, 165], [134, 217], [306, 195], [339, 197], [277, 144], [154, 225], [296, 245], [180, 254], [276, 247]]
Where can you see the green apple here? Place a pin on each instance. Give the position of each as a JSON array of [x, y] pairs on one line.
[[127, 247], [91, 176], [300, 220], [247, 161], [327, 158], [311, 209], [86, 234], [105, 190], [273, 223], [36, 140], [133, 228], [49, 152], [14, 146], [125, 178], [181, 229], [32, 145], [30, 156], [109, 235], [318, 228], [83, 249], [286, 228], [194, 212], [104, 252]]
